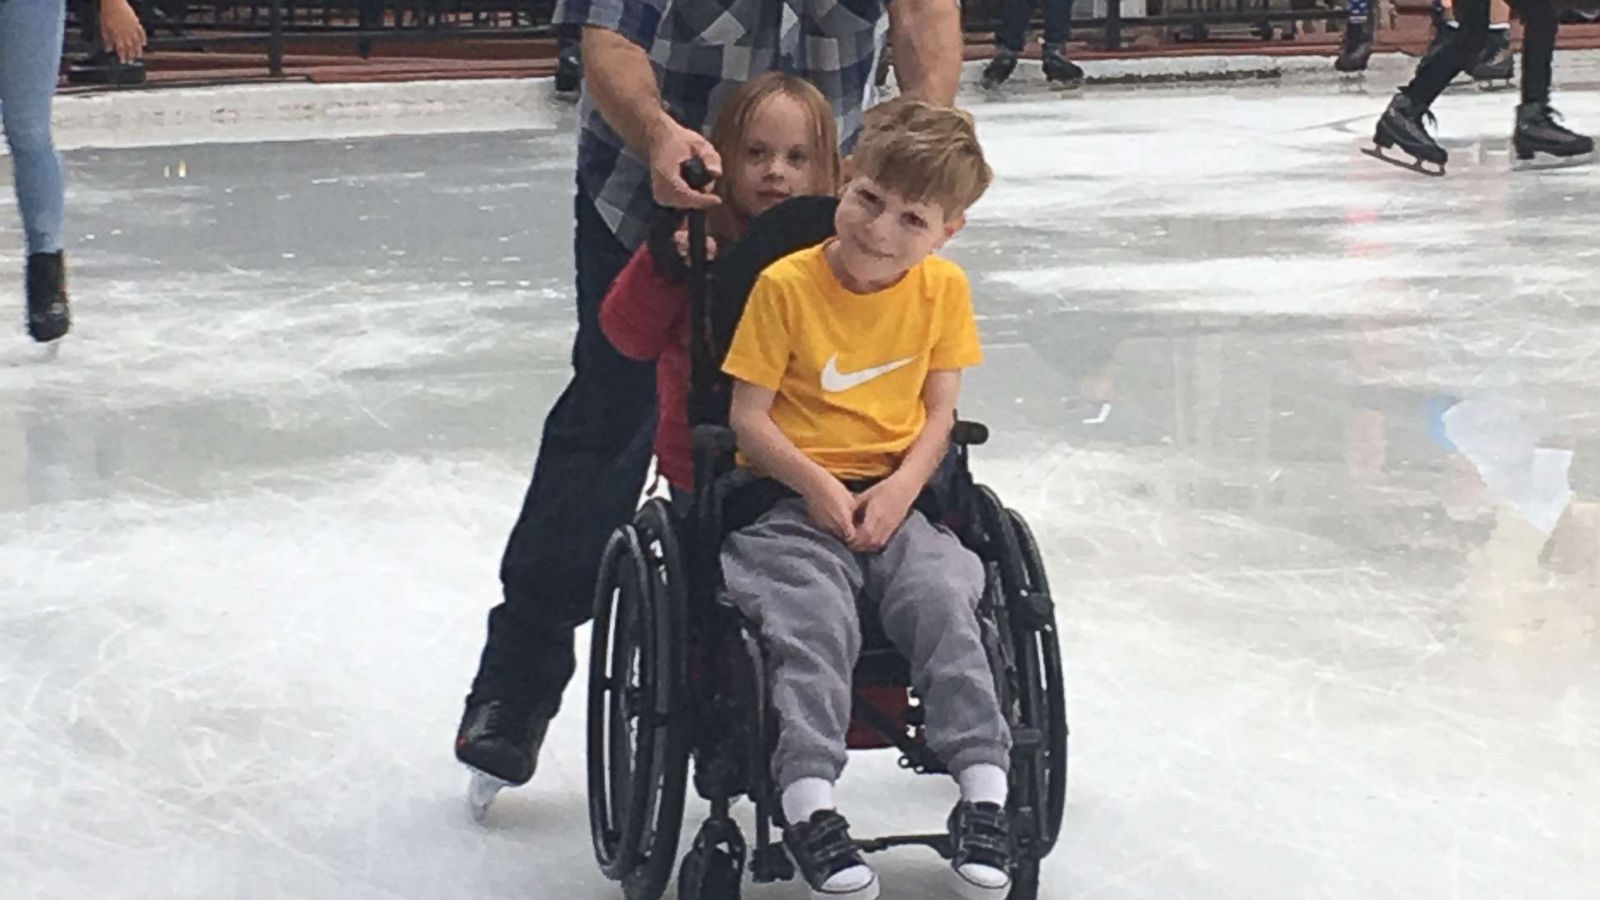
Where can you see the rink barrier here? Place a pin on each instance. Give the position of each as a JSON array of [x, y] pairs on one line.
[[193, 25]]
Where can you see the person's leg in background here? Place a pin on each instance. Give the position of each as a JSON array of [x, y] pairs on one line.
[[1057, 31], [1358, 35], [1496, 65], [592, 462], [1539, 138], [1010, 36], [1402, 123], [569, 61], [31, 34]]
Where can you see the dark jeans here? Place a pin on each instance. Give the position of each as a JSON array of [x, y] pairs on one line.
[[587, 479], [1461, 49], [1012, 30]]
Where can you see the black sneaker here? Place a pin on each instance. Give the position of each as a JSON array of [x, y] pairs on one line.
[[828, 859], [999, 68], [980, 838], [48, 314], [500, 741]]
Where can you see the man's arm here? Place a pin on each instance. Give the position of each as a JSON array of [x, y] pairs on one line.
[[928, 44], [623, 85]]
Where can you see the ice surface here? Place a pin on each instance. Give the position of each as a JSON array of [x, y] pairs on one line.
[[251, 513]]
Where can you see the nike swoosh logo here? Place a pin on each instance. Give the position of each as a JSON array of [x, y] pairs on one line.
[[835, 381]]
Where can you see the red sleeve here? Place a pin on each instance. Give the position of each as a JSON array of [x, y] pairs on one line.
[[641, 311]]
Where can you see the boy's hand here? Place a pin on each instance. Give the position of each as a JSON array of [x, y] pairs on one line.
[[833, 508], [879, 512]]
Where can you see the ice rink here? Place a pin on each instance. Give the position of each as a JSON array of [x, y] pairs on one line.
[[1310, 442]]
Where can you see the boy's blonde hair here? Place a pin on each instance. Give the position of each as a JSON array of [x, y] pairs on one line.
[[729, 136], [924, 153]]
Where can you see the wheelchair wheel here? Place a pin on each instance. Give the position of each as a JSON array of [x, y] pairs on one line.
[[1046, 643], [638, 735]]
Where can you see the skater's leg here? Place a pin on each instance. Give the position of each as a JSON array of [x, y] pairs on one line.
[[1011, 32], [1458, 50], [1057, 22], [590, 469], [30, 58], [1540, 23]]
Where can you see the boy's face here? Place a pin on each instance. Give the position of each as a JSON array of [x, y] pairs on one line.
[[881, 235]]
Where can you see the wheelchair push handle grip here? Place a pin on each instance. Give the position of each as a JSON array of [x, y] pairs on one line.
[[694, 173]]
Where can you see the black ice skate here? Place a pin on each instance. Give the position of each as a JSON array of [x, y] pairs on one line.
[[999, 68], [48, 313], [1496, 66], [569, 72], [1060, 71], [1401, 128], [1357, 47], [1541, 142], [501, 747]]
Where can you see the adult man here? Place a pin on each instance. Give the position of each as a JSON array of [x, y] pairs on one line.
[[654, 71]]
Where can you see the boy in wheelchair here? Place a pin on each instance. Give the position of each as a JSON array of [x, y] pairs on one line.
[[847, 365]]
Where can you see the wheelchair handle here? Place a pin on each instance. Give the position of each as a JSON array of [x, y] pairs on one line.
[[694, 173]]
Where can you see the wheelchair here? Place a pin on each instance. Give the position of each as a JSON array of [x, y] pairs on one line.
[[676, 673]]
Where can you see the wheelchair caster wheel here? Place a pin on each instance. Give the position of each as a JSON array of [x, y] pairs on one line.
[[708, 875]]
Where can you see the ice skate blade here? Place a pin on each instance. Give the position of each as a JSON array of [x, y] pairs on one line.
[[1433, 170], [481, 791], [1541, 161]]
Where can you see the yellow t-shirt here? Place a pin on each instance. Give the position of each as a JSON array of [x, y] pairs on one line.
[[849, 368]]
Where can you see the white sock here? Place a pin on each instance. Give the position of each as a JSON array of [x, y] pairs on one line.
[[805, 797], [982, 783], [1500, 26]]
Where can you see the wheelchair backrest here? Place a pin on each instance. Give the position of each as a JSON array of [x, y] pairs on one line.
[[789, 227]]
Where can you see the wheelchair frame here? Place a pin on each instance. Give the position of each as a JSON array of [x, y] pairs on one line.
[[676, 672]]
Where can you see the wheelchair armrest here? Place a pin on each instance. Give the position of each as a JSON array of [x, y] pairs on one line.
[[717, 440], [969, 434]]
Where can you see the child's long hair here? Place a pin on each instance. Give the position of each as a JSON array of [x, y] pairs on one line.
[[730, 138]]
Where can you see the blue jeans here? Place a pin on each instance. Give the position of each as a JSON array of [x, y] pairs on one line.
[[1012, 32], [30, 59], [586, 481]]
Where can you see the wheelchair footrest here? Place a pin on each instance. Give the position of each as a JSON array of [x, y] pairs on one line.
[[771, 863], [938, 843]]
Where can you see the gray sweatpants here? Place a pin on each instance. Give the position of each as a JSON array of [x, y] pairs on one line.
[[801, 583]]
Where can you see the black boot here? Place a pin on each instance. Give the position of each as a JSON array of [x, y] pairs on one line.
[[499, 740], [1402, 126], [1496, 63], [1542, 142], [1060, 70], [1357, 48], [48, 314], [999, 68]]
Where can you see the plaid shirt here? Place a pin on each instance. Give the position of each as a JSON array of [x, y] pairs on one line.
[[701, 49]]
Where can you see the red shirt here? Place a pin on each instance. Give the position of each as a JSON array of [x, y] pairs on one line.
[[645, 315]]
